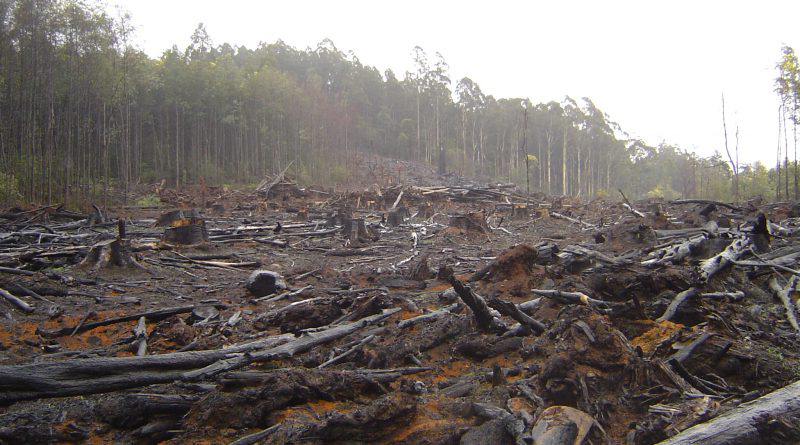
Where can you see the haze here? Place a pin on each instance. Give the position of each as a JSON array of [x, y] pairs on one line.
[[658, 69]]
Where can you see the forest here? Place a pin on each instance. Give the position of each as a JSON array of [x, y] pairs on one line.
[[84, 113]]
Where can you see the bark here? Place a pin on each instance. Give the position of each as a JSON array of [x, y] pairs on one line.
[[749, 423]]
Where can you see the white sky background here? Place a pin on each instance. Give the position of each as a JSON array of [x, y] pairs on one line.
[[657, 68]]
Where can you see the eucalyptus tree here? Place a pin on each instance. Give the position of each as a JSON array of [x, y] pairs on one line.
[[787, 85]]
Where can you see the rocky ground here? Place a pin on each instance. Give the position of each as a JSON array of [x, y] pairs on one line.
[[414, 308]]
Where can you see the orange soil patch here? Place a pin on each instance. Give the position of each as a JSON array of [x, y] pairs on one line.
[[441, 287], [427, 421], [660, 332], [405, 315]]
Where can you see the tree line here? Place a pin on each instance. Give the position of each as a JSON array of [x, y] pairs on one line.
[[85, 113]]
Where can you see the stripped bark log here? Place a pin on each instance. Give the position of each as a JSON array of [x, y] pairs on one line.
[[746, 424], [785, 294], [286, 350], [717, 263], [574, 221], [574, 298], [675, 254], [18, 303]]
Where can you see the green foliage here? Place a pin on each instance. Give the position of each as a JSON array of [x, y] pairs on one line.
[[148, 201], [9, 190], [339, 174], [662, 191]]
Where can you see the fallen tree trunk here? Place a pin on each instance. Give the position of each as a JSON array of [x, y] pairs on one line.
[[511, 310], [715, 264], [749, 423], [675, 254], [156, 315], [21, 305], [480, 310], [785, 295], [99, 375]]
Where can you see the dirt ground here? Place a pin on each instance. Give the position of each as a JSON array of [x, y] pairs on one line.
[[438, 379]]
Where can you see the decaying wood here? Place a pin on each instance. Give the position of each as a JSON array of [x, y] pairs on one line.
[[676, 303], [573, 220], [746, 424], [140, 337], [347, 353], [705, 201], [98, 375], [785, 295], [14, 300], [675, 254], [480, 310], [627, 371], [573, 298], [717, 263], [511, 310], [158, 314]]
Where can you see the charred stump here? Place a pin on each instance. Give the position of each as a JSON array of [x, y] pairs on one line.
[[520, 211], [113, 252], [421, 271], [473, 222], [356, 230], [186, 228], [515, 261], [397, 216], [425, 211]]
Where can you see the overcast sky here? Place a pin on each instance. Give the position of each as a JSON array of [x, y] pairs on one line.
[[657, 68]]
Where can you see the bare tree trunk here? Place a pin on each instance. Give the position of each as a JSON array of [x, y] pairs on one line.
[[778, 164], [734, 164]]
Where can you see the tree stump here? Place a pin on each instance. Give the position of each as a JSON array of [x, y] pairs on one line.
[[186, 228], [357, 231], [473, 222], [520, 211], [397, 216], [173, 218], [421, 271], [425, 211], [113, 252]]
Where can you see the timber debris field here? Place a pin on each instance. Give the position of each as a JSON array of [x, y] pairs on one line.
[[419, 308]]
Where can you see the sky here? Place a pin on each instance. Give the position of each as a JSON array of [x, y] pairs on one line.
[[659, 69]]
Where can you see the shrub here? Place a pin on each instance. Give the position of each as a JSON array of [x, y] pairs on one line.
[[148, 201], [9, 190]]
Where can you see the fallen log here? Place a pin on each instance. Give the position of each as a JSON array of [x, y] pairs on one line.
[[785, 295], [430, 316], [715, 264], [573, 220], [286, 350], [156, 315], [704, 201], [675, 254], [676, 303], [749, 423], [511, 310], [18, 303], [100, 375], [480, 310], [573, 298]]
